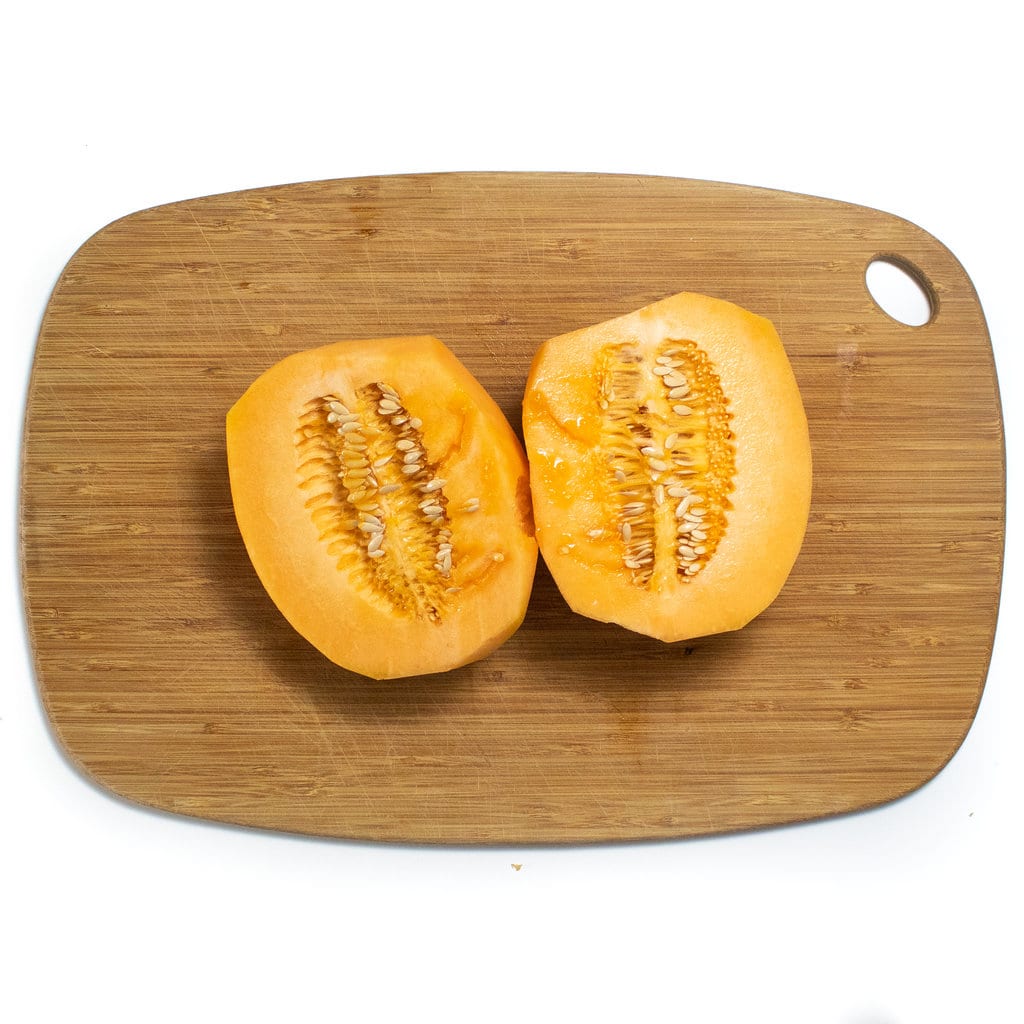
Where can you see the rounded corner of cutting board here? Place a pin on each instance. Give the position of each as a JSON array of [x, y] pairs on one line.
[[119, 224], [77, 759]]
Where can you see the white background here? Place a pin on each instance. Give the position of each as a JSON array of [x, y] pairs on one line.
[[911, 913]]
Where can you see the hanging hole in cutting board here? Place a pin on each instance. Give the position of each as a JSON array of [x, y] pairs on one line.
[[900, 290]]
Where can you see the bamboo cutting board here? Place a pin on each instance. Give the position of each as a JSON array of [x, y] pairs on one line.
[[172, 680]]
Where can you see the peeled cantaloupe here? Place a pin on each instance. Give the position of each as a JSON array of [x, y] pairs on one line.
[[670, 466], [384, 502]]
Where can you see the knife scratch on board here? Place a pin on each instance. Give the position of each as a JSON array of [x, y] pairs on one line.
[[220, 266]]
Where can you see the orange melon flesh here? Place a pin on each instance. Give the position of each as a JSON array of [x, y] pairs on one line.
[[670, 466], [384, 502]]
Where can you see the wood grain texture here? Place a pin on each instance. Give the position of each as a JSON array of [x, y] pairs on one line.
[[171, 679]]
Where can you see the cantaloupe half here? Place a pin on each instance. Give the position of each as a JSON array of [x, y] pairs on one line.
[[670, 466], [384, 502]]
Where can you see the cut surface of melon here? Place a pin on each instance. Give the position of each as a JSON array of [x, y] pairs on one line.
[[384, 502], [670, 466]]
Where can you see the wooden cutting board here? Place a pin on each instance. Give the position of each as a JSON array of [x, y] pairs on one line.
[[172, 680]]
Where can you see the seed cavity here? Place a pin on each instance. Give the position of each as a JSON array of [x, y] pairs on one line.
[[666, 437], [365, 468]]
